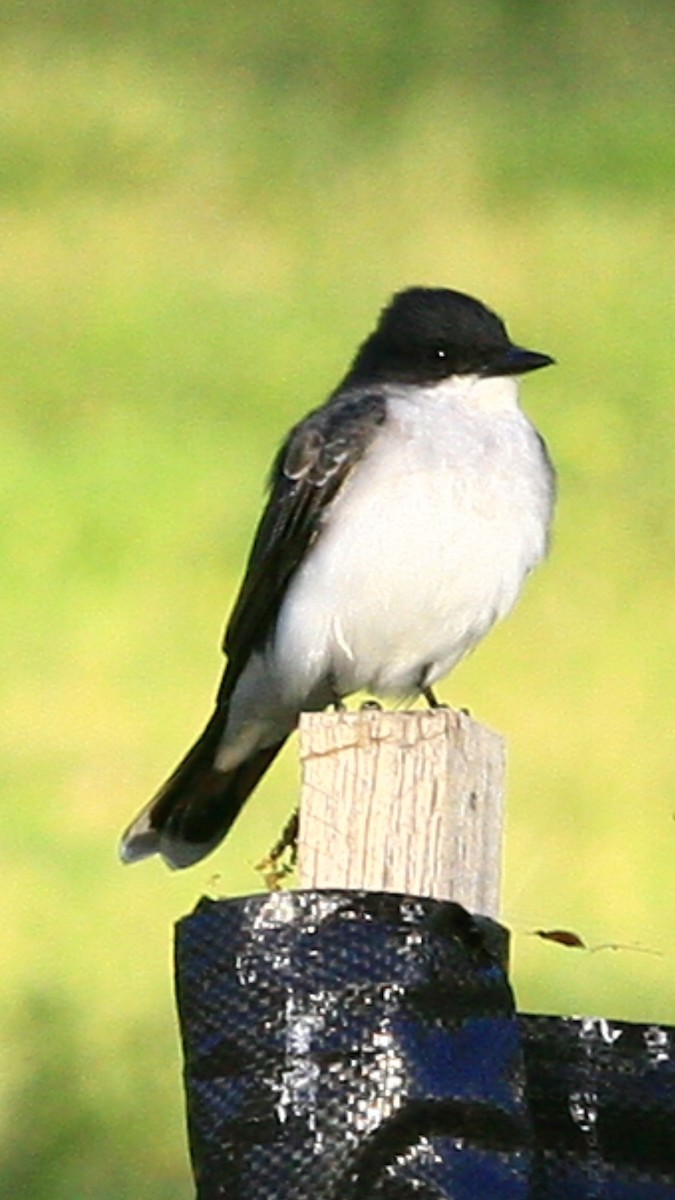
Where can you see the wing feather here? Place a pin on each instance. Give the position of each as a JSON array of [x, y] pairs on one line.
[[311, 466]]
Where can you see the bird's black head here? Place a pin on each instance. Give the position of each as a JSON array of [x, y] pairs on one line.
[[427, 334]]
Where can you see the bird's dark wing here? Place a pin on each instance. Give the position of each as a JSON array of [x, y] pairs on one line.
[[310, 467]]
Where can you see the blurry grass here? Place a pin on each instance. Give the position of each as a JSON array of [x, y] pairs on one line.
[[202, 212], [78, 1131]]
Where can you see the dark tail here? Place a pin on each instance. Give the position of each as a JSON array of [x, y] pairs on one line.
[[194, 809]]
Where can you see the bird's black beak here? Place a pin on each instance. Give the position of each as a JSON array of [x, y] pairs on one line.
[[517, 361]]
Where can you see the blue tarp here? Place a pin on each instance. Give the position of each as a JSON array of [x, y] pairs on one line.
[[363, 1046]]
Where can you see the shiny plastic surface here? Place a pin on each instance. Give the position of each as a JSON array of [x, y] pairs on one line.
[[358, 1046]]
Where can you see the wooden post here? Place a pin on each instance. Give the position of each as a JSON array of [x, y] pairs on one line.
[[406, 802]]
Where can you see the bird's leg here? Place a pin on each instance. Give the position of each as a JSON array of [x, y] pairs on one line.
[[428, 692], [335, 697], [433, 702]]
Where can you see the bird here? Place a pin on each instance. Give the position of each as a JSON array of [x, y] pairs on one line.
[[403, 517]]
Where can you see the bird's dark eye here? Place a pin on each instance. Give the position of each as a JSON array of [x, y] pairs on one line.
[[439, 352]]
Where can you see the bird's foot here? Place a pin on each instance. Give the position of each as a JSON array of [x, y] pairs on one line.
[[371, 706], [430, 698]]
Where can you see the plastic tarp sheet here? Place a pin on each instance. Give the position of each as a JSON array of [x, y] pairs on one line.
[[362, 1046]]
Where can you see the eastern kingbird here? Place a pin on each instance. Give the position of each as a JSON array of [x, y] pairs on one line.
[[403, 517]]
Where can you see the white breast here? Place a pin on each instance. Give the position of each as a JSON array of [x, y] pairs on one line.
[[426, 545]]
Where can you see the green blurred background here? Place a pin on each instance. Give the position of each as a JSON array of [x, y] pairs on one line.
[[203, 207]]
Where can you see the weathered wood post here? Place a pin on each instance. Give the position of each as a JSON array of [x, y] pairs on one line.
[[408, 802], [346, 1040]]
